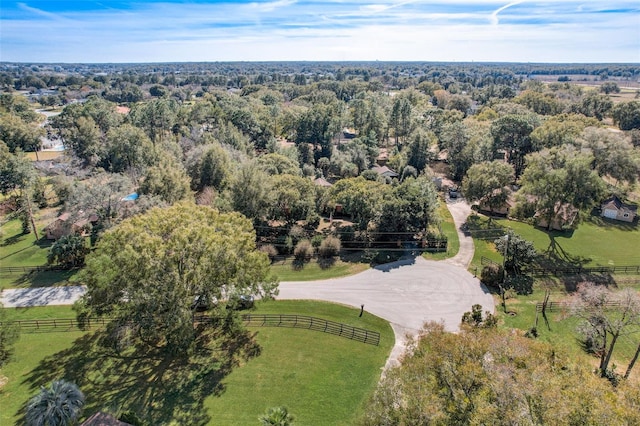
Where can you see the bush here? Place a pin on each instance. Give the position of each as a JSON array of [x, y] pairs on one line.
[[329, 247], [68, 252], [270, 250], [297, 233], [492, 275], [303, 251], [316, 240], [474, 318]]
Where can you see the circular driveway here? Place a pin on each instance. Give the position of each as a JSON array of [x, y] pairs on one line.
[[406, 293]]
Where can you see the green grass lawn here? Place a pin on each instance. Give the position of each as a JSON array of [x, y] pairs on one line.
[[322, 379], [38, 279], [18, 249], [594, 242], [288, 271], [40, 312], [448, 229], [561, 332]]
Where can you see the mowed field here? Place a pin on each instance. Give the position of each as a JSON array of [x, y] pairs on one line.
[[323, 379]]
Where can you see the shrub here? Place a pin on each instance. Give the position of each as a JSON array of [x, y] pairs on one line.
[[474, 318], [279, 416], [297, 233], [492, 275], [303, 251], [316, 241], [270, 250], [68, 252], [329, 247]]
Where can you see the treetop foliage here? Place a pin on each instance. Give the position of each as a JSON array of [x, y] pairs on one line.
[[150, 268]]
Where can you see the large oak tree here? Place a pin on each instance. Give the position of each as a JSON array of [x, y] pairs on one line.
[[146, 272]]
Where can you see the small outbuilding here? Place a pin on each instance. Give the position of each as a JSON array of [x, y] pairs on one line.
[[614, 208]]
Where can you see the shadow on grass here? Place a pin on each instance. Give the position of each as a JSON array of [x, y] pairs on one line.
[[555, 256], [326, 262], [9, 241], [571, 282], [158, 387], [43, 278], [298, 264]]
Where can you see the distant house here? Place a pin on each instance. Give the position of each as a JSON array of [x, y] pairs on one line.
[[563, 219], [124, 110], [63, 226], [501, 210], [385, 171], [503, 200], [614, 208], [103, 419], [322, 182]]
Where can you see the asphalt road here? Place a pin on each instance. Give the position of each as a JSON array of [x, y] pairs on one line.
[[407, 293]]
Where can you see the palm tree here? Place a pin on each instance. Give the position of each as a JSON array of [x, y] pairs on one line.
[[59, 405], [277, 416]]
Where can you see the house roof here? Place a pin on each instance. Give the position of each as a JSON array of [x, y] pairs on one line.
[[322, 182], [103, 419], [64, 217], [615, 203], [566, 213], [384, 171]]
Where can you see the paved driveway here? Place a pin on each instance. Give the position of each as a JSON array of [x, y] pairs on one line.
[[406, 293], [40, 296], [460, 211]]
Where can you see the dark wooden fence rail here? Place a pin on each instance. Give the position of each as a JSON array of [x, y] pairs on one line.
[[486, 261], [58, 324], [8, 270], [257, 320], [542, 271], [578, 270], [312, 323], [555, 306]]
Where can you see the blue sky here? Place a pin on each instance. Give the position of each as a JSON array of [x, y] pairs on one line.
[[333, 30]]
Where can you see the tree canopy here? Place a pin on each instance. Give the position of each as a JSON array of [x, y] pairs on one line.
[[146, 272], [488, 376]]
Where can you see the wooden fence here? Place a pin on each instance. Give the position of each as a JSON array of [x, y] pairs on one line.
[[257, 320], [579, 270], [544, 271], [58, 324], [311, 323], [559, 306], [9, 270]]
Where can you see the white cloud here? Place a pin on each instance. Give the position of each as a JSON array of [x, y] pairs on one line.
[[438, 30]]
